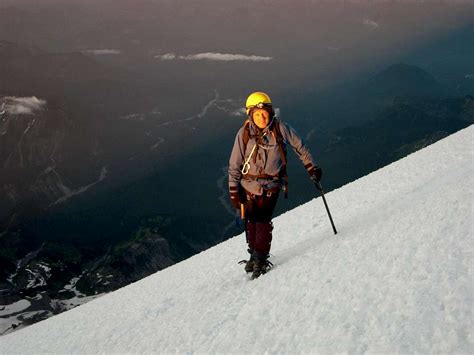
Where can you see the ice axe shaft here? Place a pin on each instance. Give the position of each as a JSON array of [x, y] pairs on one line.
[[320, 188], [240, 217]]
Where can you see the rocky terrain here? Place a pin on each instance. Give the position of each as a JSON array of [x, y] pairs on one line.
[[55, 277]]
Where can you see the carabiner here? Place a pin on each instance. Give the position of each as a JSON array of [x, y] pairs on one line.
[[246, 167]]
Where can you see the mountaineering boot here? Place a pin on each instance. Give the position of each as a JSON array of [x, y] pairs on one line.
[[251, 262], [257, 270], [260, 267], [249, 265]]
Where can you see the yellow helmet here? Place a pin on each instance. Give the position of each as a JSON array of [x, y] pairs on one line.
[[257, 99]]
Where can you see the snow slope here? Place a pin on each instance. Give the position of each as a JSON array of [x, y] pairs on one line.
[[397, 278]]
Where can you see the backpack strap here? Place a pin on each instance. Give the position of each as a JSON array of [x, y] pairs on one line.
[[280, 140], [283, 154], [246, 133]]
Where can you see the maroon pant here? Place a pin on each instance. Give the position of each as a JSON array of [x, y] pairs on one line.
[[258, 222]]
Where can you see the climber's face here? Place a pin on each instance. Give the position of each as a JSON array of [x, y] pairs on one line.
[[261, 118]]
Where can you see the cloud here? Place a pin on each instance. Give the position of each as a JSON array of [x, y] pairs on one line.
[[22, 105], [102, 51], [239, 112], [370, 23], [168, 56], [223, 57], [226, 57]]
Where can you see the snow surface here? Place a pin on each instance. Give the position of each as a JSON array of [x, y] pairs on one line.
[[397, 278]]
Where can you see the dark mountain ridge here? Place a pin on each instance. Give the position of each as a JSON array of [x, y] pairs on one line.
[[404, 80], [359, 101]]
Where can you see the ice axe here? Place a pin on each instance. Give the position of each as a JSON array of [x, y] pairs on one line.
[[240, 217], [320, 188]]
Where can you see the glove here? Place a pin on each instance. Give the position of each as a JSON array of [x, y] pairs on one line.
[[234, 197], [315, 174]]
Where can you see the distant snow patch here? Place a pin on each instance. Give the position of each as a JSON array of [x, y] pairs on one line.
[[103, 51], [15, 307], [33, 314], [370, 23], [133, 116], [22, 105], [70, 193], [205, 108], [154, 146], [223, 57]]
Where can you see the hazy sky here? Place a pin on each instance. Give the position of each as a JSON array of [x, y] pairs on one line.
[[299, 40]]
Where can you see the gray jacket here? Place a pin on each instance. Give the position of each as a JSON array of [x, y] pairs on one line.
[[258, 159]]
